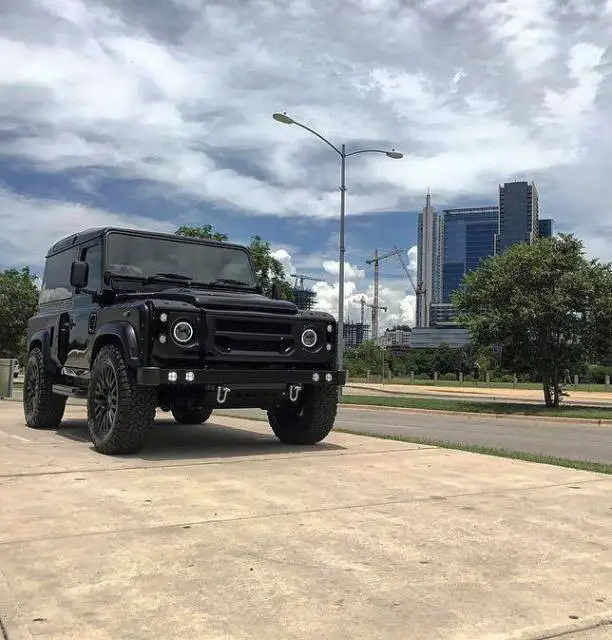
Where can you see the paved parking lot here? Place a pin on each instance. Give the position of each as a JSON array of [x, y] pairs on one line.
[[220, 532]]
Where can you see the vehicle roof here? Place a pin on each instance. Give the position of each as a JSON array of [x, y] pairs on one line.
[[95, 232]]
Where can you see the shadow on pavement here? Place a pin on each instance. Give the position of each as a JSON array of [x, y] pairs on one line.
[[171, 441]]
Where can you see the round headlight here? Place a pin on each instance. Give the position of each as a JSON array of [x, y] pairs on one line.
[[182, 332], [309, 338]]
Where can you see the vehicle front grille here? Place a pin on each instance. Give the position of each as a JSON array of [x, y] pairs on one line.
[[247, 335]]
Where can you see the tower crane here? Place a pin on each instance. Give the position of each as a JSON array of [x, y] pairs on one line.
[[375, 309], [301, 277], [418, 288], [375, 261]]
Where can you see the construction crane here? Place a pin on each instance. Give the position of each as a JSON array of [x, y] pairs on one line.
[[375, 309], [376, 261], [418, 288], [301, 277]]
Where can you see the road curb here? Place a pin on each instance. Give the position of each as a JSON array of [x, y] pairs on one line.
[[498, 416]]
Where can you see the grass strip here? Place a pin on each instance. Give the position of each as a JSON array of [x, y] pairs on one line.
[[468, 384], [494, 408]]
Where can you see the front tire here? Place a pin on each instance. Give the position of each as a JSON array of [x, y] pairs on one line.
[[42, 408], [308, 421], [120, 413], [190, 416]]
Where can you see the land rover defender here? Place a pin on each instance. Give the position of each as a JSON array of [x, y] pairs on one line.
[[133, 320]]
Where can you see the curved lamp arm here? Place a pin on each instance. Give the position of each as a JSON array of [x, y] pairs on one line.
[[285, 119]]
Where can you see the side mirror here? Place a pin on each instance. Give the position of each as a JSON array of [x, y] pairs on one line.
[[276, 292], [79, 275]]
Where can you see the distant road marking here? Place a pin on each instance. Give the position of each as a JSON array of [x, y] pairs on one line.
[[11, 435]]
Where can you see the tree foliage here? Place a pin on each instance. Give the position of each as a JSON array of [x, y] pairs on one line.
[[269, 270], [206, 231], [544, 304], [18, 302]]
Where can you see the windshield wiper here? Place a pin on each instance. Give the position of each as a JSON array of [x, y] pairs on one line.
[[230, 281], [168, 275]]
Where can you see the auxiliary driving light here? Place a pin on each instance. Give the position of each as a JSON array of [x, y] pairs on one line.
[[162, 338], [328, 346], [190, 376], [329, 328], [309, 338], [328, 377], [172, 376], [315, 377], [163, 317]]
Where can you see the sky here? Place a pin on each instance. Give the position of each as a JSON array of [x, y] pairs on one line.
[[154, 115]]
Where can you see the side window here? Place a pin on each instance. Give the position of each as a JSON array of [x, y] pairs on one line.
[[56, 280], [93, 256]]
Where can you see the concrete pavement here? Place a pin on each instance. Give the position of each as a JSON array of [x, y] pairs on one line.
[[219, 531]]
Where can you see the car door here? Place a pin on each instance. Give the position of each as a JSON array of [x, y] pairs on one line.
[[83, 315]]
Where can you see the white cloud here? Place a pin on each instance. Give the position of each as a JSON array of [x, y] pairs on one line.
[[153, 92], [394, 293], [24, 242], [350, 271]]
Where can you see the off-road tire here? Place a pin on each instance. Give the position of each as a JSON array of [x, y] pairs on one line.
[[42, 408], [308, 421], [190, 416], [126, 430]]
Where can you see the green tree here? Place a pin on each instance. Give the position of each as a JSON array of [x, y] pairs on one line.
[[366, 357], [18, 302], [545, 304], [206, 231], [269, 270]]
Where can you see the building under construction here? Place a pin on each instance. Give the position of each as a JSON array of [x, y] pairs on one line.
[[304, 298], [355, 333]]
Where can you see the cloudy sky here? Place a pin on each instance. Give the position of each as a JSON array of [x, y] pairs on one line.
[[129, 112]]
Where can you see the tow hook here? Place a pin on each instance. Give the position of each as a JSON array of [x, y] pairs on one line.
[[294, 392], [222, 394]]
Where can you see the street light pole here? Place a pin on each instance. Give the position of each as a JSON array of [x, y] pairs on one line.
[[341, 262], [395, 155]]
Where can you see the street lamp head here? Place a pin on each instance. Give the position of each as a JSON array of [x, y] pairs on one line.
[[283, 117], [395, 155]]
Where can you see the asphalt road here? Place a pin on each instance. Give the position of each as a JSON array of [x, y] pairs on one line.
[[572, 440]]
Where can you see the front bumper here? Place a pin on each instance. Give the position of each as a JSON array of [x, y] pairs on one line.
[[155, 376]]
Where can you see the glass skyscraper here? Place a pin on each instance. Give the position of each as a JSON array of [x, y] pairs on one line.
[[519, 205], [466, 237], [545, 228]]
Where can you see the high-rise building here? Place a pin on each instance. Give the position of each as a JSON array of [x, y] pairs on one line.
[[519, 204], [545, 228], [427, 261], [467, 236]]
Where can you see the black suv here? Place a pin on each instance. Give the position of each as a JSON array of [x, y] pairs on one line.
[[134, 320]]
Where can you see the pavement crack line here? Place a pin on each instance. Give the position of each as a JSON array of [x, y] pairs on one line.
[[577, 629], [281, 514], [288, 456]]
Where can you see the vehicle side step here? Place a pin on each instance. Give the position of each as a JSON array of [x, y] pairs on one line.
[[71, 392]]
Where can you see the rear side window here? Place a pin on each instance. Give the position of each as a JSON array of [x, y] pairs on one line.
[[56, 281]]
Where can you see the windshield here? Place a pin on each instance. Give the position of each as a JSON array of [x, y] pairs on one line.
[[176, 260]]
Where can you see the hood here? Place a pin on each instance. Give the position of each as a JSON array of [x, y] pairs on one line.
[[220, 299]]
